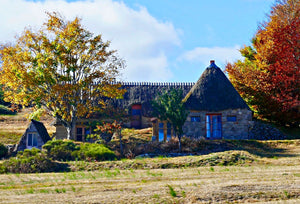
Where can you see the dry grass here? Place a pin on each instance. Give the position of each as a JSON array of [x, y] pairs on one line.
[[274, 180], [13, 126], [191, 185]]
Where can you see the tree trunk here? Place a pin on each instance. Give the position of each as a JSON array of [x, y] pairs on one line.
[[69, 132], [70, 126], [121, 146], [179, 142]]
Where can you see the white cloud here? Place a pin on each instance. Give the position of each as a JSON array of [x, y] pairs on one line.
[[140, 39], [221, 55]]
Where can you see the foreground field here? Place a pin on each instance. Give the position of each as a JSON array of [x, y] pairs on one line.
[[187, 185], [265, 179]]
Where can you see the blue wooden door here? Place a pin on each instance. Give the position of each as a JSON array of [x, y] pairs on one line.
[[214, 126]]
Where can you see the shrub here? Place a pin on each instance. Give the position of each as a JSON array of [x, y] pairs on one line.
[[29, 161], [98, 152], [3, 150], [60, 150]]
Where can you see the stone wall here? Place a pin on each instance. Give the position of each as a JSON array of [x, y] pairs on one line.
[[60, 132], [230, 130], [264, 131]]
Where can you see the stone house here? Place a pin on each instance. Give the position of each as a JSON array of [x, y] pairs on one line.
[[216, 110], [35, 136]]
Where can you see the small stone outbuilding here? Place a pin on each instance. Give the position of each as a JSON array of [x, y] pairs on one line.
[[216, 110], [35, 136]]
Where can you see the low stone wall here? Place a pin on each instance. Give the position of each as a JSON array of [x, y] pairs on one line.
[[263, 131]]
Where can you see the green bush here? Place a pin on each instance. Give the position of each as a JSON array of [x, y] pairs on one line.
[[3, 150], [60, 150], [4, 110], [68, 150], [29, 161], [28, 153], [98, 152]]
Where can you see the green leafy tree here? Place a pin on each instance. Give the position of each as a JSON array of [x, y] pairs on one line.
[[63, 68], [169, 106]]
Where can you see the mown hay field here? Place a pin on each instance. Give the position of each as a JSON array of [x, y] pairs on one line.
[[266, 180], [217, 184]]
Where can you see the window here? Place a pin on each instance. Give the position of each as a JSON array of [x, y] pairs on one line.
[[169, 131], [231, 118], [136, 112], [79, 133], [195, 118], [32, 140], [136, 109], [136, 116], [160, 132], [82, 132]]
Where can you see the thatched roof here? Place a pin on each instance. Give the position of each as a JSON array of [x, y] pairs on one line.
[[143, 93], [214, 92]]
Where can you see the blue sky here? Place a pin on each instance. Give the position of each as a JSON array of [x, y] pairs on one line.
[[160, 40]]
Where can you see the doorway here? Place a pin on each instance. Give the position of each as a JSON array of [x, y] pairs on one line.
[[214, 126]]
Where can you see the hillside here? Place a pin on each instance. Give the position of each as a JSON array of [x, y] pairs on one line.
[[13, 126]]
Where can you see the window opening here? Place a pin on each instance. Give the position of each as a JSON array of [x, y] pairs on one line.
[[169, 131], [32, 140], [161, 132], [195, 118], [231, 118], [79, 133]]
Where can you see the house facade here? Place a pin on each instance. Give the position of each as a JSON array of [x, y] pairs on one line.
[[216, 110], [35, 136]]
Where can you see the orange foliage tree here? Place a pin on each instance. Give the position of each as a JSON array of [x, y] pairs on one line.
[[269, 76], [62, 67]]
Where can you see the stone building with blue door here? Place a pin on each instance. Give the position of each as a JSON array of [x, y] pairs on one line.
[[216, 110]]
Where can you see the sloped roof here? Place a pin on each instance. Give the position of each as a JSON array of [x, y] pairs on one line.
[[144, 93], [41, 129], [214, 92]]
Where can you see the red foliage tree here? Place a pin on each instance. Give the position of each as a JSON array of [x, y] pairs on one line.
[[269, 77]]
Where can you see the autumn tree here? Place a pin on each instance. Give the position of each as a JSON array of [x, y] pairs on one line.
[[62, 67], [269, 76], [170, 107]]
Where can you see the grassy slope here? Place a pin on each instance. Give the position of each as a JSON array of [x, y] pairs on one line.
[[13, 126]]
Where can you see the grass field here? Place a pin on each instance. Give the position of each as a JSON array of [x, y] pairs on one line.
[[262, 183], [265, 180]]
